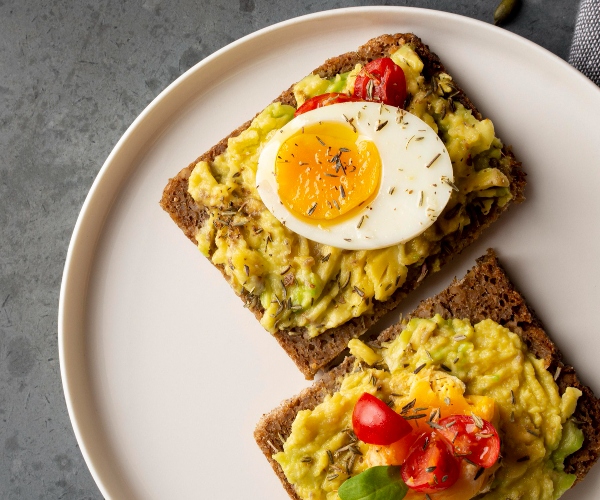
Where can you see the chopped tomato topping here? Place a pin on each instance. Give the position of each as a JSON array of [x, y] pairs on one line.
[[324, 100], [375, 423], [431, 465], [472, 438], [381, 80]]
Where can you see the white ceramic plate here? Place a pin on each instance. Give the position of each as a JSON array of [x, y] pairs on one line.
[[165, 374]]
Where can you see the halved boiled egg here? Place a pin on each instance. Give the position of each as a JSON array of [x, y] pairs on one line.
[[355, 175]]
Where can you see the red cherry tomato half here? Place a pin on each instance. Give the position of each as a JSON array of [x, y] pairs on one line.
[[375, 423], [472, 438], [431, 466], [381, 80], [324, 100]]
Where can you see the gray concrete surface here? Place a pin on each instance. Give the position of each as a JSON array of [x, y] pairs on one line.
[[73, 76]]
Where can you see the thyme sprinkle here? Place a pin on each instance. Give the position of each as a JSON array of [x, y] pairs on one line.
[[424, 272], [350, 464], [370, 85], [419, 368], [433, 161], [381, 125], [319, 139], [350, 120], [477, 420], [312, 208], [408, 406], [414, 417], [449, 182]]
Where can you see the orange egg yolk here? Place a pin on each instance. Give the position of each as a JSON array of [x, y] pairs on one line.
[[325, 171]]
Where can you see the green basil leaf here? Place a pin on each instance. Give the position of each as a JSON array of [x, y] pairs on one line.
[[376, 483]]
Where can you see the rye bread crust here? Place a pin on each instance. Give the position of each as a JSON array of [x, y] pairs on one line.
[[313, 354], [485, 292]]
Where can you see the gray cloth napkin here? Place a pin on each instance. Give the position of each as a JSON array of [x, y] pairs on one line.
[[585, 49]]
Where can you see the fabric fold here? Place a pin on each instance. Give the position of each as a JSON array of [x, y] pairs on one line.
[[585, 48]]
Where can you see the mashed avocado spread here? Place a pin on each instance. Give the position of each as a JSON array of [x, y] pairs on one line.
[[459, 368], [300, 283]]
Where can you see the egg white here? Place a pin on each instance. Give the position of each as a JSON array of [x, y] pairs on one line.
[[413, 190]]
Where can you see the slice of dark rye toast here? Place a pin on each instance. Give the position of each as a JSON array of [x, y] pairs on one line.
[[313, 354], [485, 292]]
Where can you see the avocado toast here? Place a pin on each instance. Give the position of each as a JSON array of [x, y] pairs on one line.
[[298, 302], [483, 296]]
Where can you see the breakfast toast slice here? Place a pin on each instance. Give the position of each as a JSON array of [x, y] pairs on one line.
[[484, 293], [309, 352]]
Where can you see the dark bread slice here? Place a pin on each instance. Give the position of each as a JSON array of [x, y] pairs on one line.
[[313, 354], [485, 292]]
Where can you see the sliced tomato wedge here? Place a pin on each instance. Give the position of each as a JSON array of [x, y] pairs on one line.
[[431, 465], [376, 423], [381, 80], [472, 438], [324, 100]]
